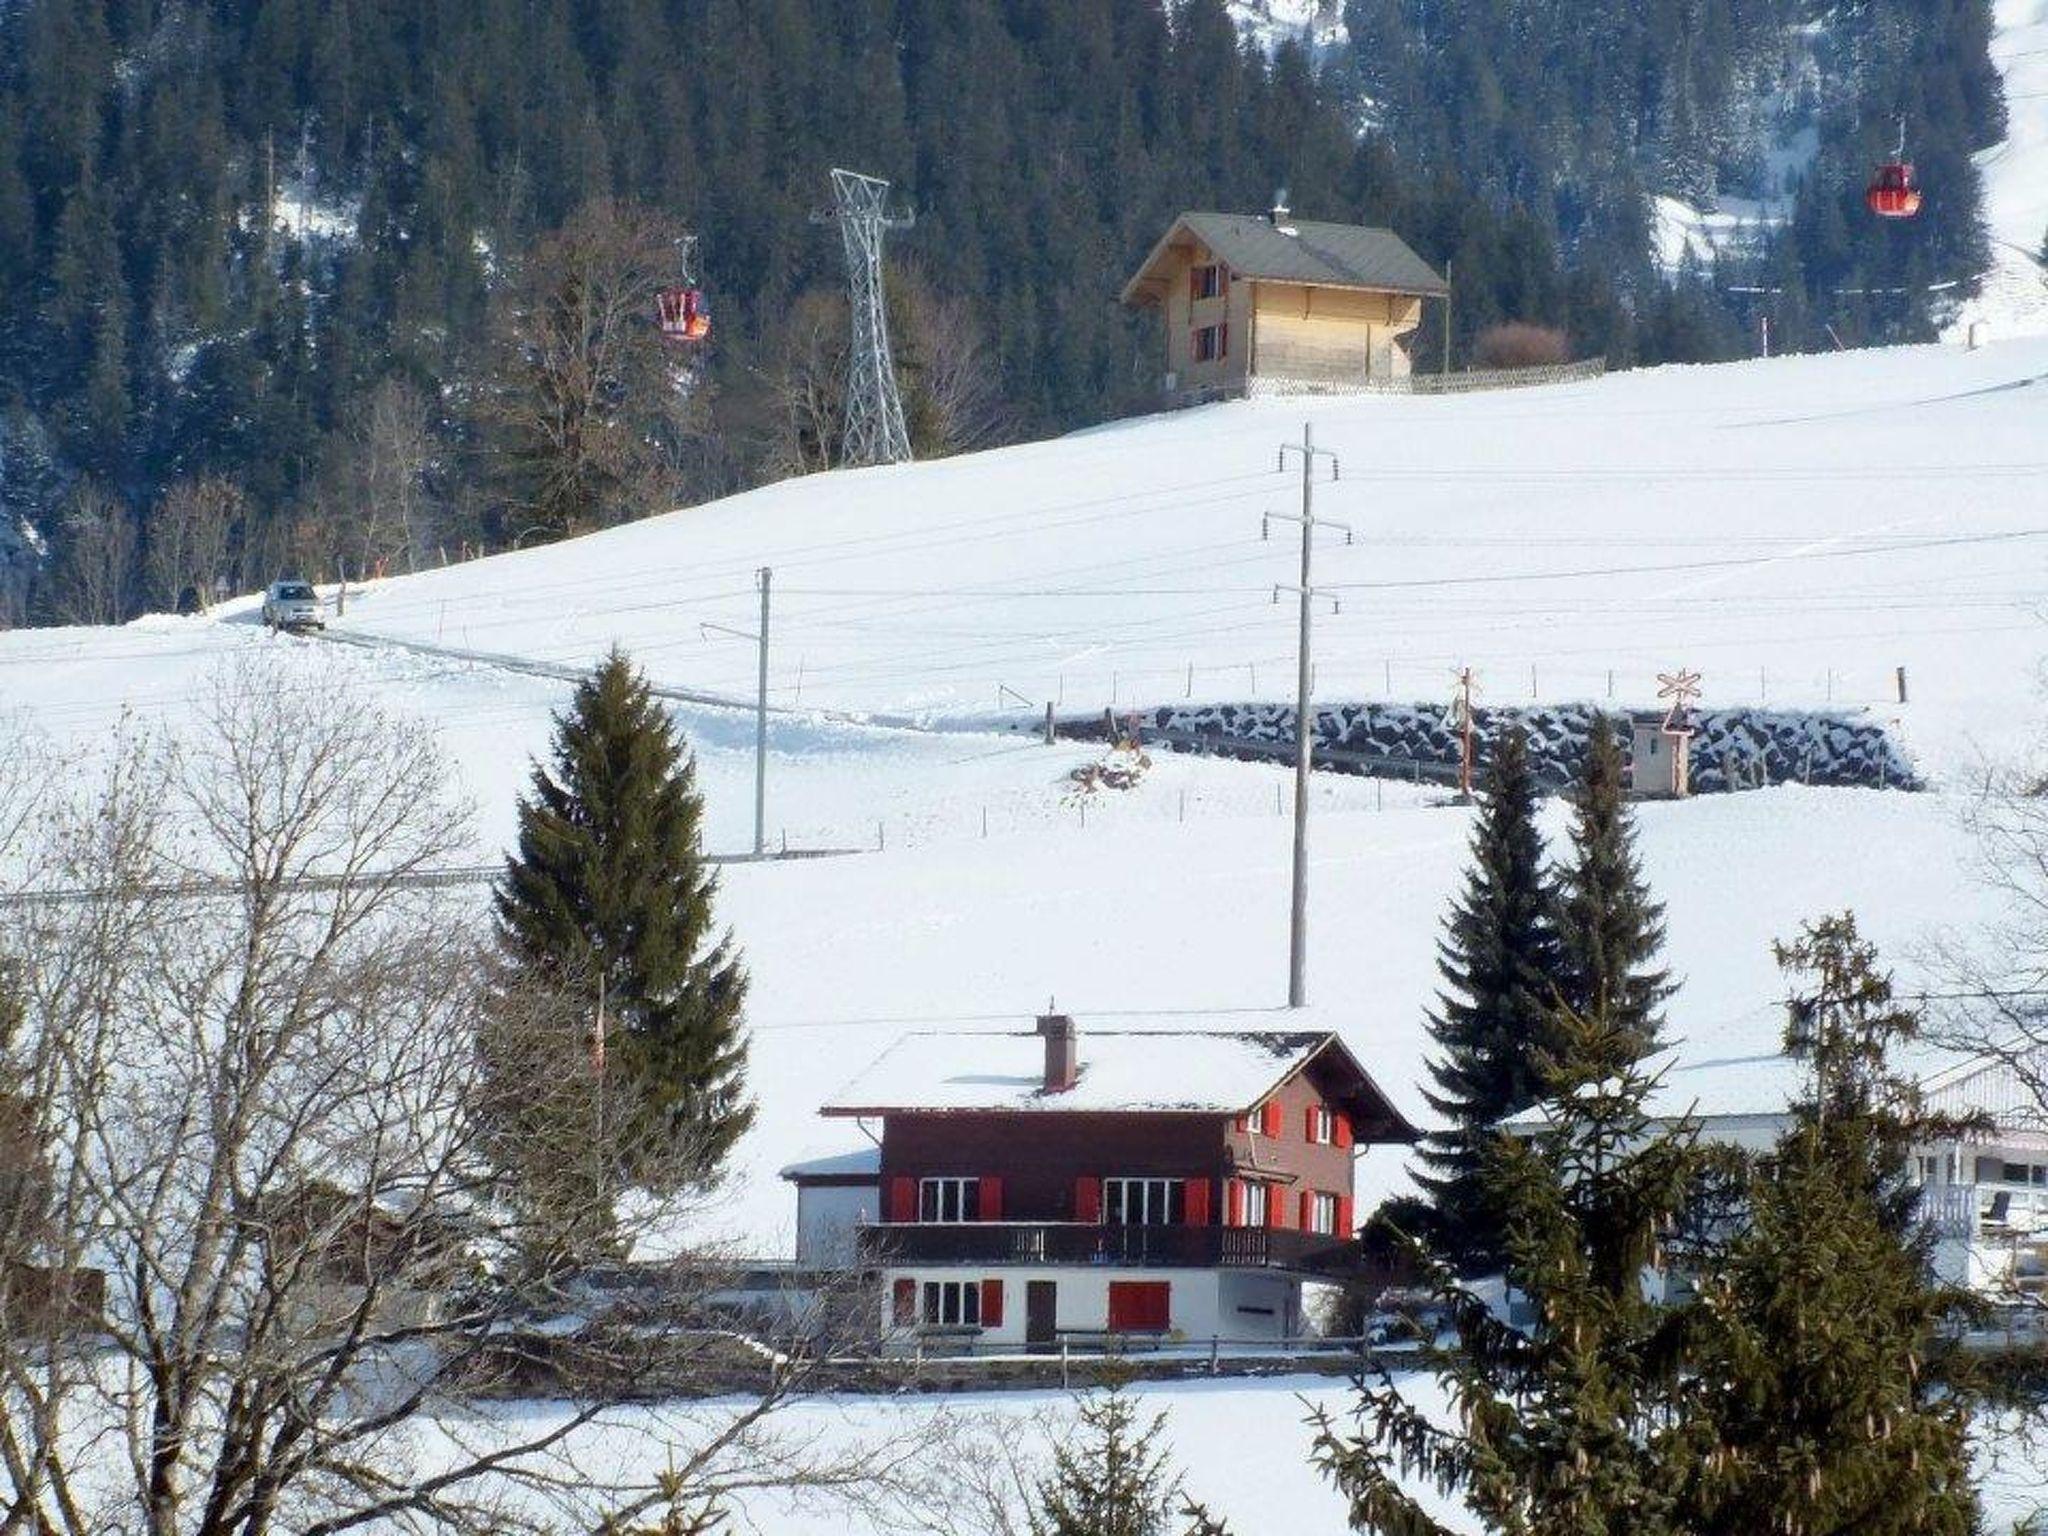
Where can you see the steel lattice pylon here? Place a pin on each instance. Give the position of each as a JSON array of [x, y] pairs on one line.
[[875, 431]]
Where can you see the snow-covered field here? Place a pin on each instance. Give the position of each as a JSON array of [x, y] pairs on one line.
[[2014, 300], [1797, 529]]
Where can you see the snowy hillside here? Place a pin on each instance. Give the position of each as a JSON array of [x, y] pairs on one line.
[[2014, 300], [1797, 529]]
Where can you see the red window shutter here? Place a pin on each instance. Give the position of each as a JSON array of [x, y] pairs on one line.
[[1194, 284], [1087, 1199], [1343, 1129], [1235, 1198], [1223, 340], [1308, 1212], [1276, 1206], [905, 1292], [1308, 1122], [1344, 1216], [991, 1303], [1272, 1119], [991, 1198], [902, 1199], [1195, 1203], [1140, 1304], [1243, 1124]]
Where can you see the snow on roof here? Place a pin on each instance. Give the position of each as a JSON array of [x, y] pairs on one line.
[[1122, 1070], [861, 1162]]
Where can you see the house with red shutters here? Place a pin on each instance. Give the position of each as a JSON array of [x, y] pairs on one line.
[[1036, 1187]]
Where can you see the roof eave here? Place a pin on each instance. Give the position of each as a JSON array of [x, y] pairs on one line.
[[1135, 292], [839, 1112]]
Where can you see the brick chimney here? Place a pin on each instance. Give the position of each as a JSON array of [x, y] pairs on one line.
[[1062, 1051]]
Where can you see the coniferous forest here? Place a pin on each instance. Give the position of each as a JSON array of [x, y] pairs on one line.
[[260, 259]]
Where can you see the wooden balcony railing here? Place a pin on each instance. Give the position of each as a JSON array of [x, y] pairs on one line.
[[1060, 1242]]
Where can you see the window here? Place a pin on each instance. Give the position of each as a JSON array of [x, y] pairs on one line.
[[1321, 1213], [949, 1200], [1255, 1204], [2024, 1173], [1140, 1306], [1144, 1202], [952, 1304], [1205, 281], [1211, 342], [1322, 1126]]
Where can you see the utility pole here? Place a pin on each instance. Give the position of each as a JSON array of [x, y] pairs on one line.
[[1304, 721], [1447, 318], [1464, 710], [761, 729], [760, 639]]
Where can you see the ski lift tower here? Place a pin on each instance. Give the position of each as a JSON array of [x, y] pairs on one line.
[[875, 430]]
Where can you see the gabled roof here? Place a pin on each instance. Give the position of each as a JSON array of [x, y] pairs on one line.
[[1121, 1072], [1323, 255]]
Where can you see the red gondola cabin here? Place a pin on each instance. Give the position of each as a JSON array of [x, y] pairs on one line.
[[683, 314], [1892, 193]]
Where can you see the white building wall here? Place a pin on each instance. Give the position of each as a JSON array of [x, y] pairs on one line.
[[1203, 1304], [826, 1216]]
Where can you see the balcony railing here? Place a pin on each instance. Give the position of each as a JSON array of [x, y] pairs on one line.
[[1062, 1242], [1983, 1210]]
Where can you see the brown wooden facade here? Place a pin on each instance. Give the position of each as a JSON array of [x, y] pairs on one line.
[[1283, 1165]]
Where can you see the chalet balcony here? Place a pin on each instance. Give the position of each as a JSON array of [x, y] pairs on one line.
[[1134, 1247]]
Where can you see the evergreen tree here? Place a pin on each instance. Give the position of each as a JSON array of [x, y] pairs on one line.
[[1609, 930], [1570, 1423], [1499, 963], [1114, 1477], [608, 900], [1830, 1398]]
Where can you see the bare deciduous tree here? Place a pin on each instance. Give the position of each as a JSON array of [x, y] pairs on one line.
[[246, 1037], [587, 405], [96, 557], [375, 495], [189, 534]]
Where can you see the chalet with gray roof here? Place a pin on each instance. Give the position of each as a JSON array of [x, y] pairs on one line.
[[1246, 299]]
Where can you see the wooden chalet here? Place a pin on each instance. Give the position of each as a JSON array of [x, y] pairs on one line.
[[1039, 1187], [1266, 298]]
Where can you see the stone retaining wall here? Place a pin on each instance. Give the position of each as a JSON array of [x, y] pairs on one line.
[[1734, 748]]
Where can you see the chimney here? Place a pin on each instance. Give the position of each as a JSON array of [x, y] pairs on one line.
[[1062, 1051], [1279, 213]]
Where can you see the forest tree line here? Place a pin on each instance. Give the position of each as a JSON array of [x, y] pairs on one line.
[[283, 257]]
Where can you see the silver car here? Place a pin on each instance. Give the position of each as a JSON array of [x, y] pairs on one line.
[[292, 605]]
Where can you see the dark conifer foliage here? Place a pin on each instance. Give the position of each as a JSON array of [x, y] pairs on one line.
[[1610, 931], [1572, 1416], [1499, 961], [224, 222], [1113, 1476], [608, 895], [1833, 1395]]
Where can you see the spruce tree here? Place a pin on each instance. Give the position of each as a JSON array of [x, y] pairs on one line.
[[1831, 1397], [608, 901], [1609, 929], [1569, 1421], [1499, 961], [1114, 1478]]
